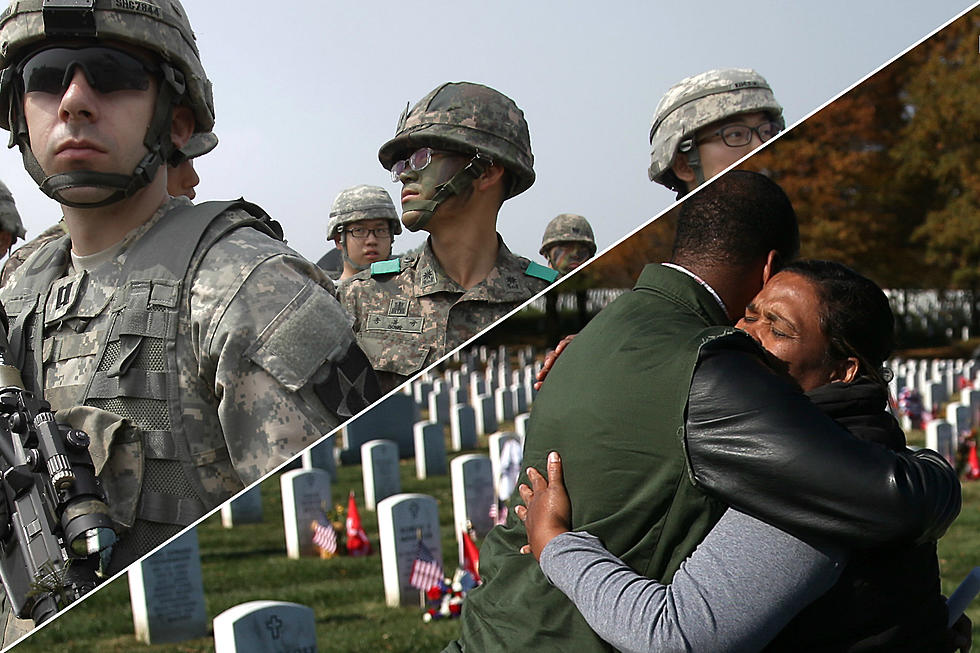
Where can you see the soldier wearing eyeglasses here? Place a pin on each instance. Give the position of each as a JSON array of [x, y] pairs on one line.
[[707, 122], [459, 153], [196, 349], [363, 223]]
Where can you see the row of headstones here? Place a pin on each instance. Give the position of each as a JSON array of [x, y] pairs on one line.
[[469, 411], [166, 592], [945, 435], [478, 482], [936, 380]]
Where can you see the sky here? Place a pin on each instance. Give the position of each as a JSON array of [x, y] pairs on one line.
[[306, 92]]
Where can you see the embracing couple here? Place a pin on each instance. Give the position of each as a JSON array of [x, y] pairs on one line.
[[723, 497]]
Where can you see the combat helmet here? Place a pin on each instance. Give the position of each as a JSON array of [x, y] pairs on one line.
[[568, 228], [696, 102], [362, 203], [9, 217], [470, 119], [160, 27]]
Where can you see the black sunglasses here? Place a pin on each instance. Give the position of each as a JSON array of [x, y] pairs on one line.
[[106, 70]]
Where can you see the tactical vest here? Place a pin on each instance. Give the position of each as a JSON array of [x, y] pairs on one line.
[[151, 477], [614, 408]]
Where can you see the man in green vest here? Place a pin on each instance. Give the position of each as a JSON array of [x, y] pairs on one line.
[[664, 415], [459, 154], [195, 348]]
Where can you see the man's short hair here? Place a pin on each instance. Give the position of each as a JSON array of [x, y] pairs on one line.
[[736, 219]]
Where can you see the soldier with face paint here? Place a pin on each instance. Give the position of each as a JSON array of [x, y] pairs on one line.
[[459, 153], [568, 242], [363, 223], [195, 348]]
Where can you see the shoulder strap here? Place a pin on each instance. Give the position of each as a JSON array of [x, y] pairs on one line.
[[182, 231]]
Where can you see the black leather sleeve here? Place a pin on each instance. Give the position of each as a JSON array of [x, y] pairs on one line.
[[757, 443]]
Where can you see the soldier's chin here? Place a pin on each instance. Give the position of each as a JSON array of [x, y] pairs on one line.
[[411, 220], [85, 194]]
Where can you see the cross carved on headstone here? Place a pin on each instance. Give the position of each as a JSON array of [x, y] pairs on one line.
[[274, 624]]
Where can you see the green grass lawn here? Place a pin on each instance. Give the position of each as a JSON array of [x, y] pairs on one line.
[[347, 594]]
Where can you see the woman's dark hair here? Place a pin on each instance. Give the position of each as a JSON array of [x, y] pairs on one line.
[[854, 315]]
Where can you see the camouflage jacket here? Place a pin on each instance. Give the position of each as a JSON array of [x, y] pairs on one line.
[[266, 363], [408, 313]]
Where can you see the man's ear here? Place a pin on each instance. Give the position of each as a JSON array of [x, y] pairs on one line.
[[771, 267], [683, 169], [490, 176], [182, 126]]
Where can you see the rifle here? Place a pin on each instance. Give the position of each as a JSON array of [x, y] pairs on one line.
[[53, 517]]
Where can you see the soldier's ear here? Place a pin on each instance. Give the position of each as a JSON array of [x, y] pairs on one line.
[[182, 125], [491, 176], [683, 169]]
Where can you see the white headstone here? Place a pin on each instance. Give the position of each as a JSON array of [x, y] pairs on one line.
[[506, 454], [462, 428], [520, 424], [305, 498], [935, 396], [400, 520], [167, 594], [486, 417], [503, 402], [379, 470], [439, 406], [321, 456], [472, 482], [246, 508], [430, 450], [941, 437], [265, 627], [961, 418]]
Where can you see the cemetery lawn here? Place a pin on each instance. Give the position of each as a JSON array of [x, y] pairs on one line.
[[347, 594]]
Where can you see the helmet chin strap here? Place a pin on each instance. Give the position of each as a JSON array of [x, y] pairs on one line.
[[157, 142], [347, 259], [457, 185]]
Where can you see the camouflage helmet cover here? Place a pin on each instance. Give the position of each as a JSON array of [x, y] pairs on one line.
[[362, 203], [467, 118], [9, 217], [698, 101], [159, 26], [568, 228]]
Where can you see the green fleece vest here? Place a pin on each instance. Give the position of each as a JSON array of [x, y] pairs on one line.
[[614, 408]]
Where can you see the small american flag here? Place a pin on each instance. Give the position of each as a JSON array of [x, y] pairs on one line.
[[324, 537], [426, 572]]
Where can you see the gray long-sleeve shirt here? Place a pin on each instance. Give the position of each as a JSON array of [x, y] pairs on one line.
[[741, 586]]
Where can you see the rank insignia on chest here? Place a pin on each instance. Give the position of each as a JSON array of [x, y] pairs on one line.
[[404, 323], [428, 277], [512, 283], [398, 308], [62, 296]]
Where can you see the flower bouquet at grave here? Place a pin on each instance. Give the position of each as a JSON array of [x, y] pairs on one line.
[[444, 600]]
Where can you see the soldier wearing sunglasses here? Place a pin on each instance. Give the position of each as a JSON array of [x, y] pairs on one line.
[[363, 224], [709, 121], [459, 153], [196, 349]]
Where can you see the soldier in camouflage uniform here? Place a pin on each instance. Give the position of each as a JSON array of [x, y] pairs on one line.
[[459, 154], [568, 242], [363, 223], [709, 121], [196, 349], [11, 227], [182, 179]]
